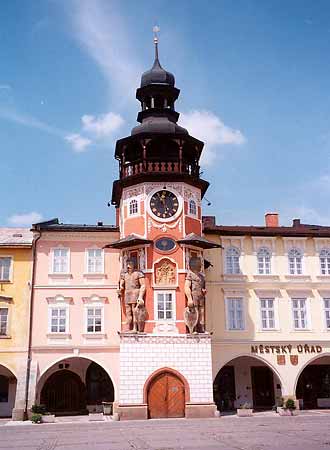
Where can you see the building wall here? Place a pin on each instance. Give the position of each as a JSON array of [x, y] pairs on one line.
[[267, 345]]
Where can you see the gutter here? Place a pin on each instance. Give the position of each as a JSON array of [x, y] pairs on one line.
[[29, 358]]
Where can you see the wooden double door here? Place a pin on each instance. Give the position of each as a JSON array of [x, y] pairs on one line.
[[166, 396], [262, 387]]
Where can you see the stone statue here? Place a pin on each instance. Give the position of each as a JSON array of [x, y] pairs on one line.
[[195, 291], [131, 290]]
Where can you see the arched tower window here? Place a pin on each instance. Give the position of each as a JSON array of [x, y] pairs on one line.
[[295, 262], [325, 261], [133, 207], [232, 260], [264, 261], [192, 207]]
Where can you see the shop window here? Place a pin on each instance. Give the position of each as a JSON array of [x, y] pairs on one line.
[[232, 260], [235, 313], [295, 262], [325, 261], [264, 261]]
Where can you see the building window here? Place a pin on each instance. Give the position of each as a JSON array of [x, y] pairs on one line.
[[232, 260], [133, 207], [3, 321], [192, 208], [235, 314], [58, 319], [325, 261], [295, 262], [5, 263], [94, 319], [300, 313], [60, 260], [327, 312], [165, 306], [267, 310], [264, 258], [95, 260]]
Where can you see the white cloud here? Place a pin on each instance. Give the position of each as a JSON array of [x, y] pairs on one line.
[[103, 125], [25, 219], [208, 127], [29, 121], [103, 34], [79, 143]]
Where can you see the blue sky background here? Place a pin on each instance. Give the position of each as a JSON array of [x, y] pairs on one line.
[[254, 80]]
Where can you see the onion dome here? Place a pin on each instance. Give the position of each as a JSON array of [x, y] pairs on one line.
[[157, 75]]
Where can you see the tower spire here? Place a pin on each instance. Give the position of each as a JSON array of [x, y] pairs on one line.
[[156, 30]]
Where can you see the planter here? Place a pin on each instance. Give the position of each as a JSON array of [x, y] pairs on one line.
[[107, 408], [48, 418], [287, 412], [96, 417], [244, 412]]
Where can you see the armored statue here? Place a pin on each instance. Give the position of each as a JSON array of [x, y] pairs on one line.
[[131, 291], [195, 291]]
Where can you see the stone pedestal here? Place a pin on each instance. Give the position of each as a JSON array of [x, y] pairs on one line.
[[141, 356]]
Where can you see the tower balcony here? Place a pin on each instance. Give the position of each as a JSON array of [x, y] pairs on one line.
[[129, 169]]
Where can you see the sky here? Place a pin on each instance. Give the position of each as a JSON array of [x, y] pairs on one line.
[[254, 81]]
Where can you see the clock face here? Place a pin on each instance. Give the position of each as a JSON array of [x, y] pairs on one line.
[[164, 204]]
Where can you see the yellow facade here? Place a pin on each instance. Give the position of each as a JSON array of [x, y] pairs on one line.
[[285, 348], [15, 310]]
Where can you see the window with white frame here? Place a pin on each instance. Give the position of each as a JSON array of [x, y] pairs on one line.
[[60, 260], [325, 261], [165, 305], [58, 319], [235, 313], [94, 260], [5, 264], [299, 307], [295, 261], [326, 302], [232, 260], [267, 312], [3, 321], [264, 261], [133, 207], [94, 319], [192, 208]]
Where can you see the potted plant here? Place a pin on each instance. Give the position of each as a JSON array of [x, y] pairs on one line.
[[107, 408], [95, 416], [48, 418], [36, 418], [289, 408], [245, 410]]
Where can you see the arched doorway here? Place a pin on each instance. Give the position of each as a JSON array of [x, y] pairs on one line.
[[246, 380], [73, 386], [166, 396], [313, 386], [64, 392], [8, 385]]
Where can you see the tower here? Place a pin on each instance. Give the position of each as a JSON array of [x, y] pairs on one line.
[[158, 200]]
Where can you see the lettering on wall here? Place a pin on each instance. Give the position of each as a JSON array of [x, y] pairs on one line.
[[285, 349]]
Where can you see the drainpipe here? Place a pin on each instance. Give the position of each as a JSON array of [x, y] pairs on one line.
[[29, 358]]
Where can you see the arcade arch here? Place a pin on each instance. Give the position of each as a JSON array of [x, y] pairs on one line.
[[247, 379], [8, 385]]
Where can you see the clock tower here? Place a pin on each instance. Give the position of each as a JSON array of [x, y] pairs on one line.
[[158, 203]]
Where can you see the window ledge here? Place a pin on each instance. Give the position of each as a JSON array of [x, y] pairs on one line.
[[58, 335], [304, 330], [60, 275], [95, 275], [269, 330], [6, 281], [234, 277], [298, 277], [5, 336], [266, 277], [94, 336], [323, 277]]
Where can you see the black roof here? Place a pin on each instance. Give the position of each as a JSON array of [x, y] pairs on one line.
[[55, 225]]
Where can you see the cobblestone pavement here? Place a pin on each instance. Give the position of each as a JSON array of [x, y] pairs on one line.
[[305, 432]]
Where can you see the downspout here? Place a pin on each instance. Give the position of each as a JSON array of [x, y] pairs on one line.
[[29, 358]]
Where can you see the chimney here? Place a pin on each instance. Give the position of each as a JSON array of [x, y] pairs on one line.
[[208, 221], [272, 219], [296, 222], [100, 224]]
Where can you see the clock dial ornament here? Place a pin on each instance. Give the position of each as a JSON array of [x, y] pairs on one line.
[[164, 204]]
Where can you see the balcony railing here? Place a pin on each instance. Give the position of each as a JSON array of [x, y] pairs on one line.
[[150, 166]]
